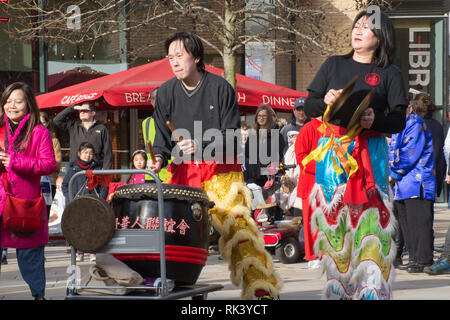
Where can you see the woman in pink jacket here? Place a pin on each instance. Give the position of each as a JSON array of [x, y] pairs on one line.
[[28, 154]]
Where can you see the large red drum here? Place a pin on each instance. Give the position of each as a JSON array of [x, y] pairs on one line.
[[186, 227]]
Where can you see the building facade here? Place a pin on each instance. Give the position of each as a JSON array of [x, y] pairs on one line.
[[422, 40]]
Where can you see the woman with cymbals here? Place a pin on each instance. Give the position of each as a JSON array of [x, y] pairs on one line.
[[343, 157]]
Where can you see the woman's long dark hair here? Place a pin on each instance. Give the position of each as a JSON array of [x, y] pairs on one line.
[[384, 54], [270, 121], [32, 107], [135, 153]]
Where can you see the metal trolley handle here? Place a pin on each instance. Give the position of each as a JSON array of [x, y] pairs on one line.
[[164, 284]]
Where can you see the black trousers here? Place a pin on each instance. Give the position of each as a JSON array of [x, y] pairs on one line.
[[397, 236], [416, 222]]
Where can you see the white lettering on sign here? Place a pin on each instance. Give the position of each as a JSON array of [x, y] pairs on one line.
[[278, 101], [70, 100], [419, 58], [139, 97], [240, 97]]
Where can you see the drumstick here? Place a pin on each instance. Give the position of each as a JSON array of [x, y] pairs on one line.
[[150, 150], [171, 127]]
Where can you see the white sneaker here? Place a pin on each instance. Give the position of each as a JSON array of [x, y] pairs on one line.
[[92, 257], [314, 264], [80, 257]]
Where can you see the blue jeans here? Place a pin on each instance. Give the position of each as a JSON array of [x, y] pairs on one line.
[[446, 253], [32, 269]]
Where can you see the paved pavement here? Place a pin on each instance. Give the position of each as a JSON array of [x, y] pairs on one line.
[[300, 283]]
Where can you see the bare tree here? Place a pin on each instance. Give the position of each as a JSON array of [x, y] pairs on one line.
[[227, 26], [288, 25], [383, 4]]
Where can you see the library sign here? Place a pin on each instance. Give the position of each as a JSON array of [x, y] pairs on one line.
[[419, 58]]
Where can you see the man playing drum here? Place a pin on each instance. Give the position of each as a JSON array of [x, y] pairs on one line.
[[195, 101]]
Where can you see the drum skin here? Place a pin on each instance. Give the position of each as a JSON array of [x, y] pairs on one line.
[[186, 228], [88, 223]]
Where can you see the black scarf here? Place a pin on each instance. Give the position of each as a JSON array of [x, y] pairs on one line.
[[12, 128]]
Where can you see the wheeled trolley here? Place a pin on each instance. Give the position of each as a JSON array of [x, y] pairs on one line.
[[150, 247]]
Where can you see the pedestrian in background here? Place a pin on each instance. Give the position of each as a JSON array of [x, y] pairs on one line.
[[48, 123], [138, 161], [442, 265], [299, 119], [28, 155], [86, 128], [149, 132], [244, 137], [425, 109], [85, 161], [265, 137], [411, 164]]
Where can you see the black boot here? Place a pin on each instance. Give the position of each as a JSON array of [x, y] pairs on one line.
[[397, 262], [417, 267], [406, 266]]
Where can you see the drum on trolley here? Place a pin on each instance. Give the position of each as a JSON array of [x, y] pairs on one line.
[[186, 228], [128, 228]]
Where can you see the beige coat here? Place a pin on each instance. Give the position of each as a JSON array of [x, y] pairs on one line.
[[58, 158]]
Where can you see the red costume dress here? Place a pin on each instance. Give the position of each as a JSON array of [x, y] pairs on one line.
[[347, 209]]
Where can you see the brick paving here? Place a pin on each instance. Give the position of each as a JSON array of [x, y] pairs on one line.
[[300, 283]]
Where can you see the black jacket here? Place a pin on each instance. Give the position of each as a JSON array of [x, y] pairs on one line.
[[437, 132], [257, 146], [79, 185], [97, 135]]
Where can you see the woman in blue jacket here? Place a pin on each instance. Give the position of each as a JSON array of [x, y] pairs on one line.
[[414, 185]]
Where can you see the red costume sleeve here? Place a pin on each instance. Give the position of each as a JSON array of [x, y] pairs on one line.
[[306, 141]]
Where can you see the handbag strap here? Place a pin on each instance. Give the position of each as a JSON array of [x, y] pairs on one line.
[[5, 181], [2, 137], [2, 146]]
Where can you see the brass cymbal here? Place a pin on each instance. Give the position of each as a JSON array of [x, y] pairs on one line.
[[365, 103], [342, 98]]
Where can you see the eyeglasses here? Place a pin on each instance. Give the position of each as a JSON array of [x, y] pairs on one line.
[[84, 111]]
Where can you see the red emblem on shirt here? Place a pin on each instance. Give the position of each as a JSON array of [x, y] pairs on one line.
[[373, 79]]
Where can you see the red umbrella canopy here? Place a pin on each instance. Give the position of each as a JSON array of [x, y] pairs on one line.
[[131, 88], [70, 77]]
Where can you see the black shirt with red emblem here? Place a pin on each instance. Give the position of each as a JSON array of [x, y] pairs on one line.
[[389, 102]]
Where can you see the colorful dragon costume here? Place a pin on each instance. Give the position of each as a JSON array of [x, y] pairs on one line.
[[241, 244], [345, 176]]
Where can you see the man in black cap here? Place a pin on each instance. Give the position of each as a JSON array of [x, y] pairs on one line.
[[299, 119]]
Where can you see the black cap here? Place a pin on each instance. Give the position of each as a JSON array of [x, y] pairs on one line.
[[299, 102]]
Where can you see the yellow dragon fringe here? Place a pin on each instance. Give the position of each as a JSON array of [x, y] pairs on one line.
[[241, 244]]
